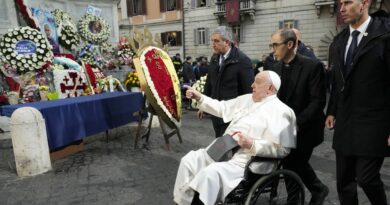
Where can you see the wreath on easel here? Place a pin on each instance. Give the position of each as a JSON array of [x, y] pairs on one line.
[[94, 29], [160, 83]]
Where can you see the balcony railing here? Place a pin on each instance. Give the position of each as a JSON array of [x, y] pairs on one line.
[[220, 8], [246, 7], [322, 3]]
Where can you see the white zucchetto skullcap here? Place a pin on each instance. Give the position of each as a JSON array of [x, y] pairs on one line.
[[275, 79]]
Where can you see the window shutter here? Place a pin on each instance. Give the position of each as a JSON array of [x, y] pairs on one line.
[[207, 35], [207, 2], [296, 24], [193, 4], [178, 38], [164, 38], [195, 37], [129, 4], [143, 7], [179, 5], [162, 6], [281, 24]]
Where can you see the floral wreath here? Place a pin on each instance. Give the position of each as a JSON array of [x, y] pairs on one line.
[[161, 79], [35, 50], [94, 29], [69, 37]]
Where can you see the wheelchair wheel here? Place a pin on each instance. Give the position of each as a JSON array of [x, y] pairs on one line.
[[283, 187]]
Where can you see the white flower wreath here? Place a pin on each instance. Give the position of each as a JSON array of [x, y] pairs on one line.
[[94, 29], [69, 38], [25, 49]]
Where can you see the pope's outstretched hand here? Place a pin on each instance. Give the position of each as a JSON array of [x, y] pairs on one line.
[[191, 93]]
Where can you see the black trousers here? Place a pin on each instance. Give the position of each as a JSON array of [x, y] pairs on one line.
[[363, 171], [219, 126], [298, 162]]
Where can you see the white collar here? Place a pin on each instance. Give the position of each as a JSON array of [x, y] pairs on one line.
[[266, 99], [362, 28], [226, 55]]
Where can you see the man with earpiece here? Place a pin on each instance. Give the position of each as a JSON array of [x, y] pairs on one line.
[[359, 106]]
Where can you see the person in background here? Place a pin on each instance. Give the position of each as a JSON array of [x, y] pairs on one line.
[[359, 105], [177, 63], [269, 62], [303, 89], [230, 73], [301, 48], [203, 68], [260, 65], [188, 72]]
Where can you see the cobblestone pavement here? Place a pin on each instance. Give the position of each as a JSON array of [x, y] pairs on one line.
[[114, 173]]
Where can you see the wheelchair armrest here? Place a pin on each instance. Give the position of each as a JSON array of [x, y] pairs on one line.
[[257, 159]]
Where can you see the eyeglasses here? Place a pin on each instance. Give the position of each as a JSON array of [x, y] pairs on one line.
[[275, 45]]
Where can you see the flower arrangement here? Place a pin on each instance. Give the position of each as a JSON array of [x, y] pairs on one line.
[[123, 54], [110, 83], [161, 79], [69, 37], [89, 55], [43, 88], [132, 80], [25, 49], [199, 86], [94, 29]]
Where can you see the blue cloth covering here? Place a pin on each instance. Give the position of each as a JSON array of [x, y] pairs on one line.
[[73, 119]]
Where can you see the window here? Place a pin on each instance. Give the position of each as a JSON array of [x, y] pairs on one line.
[[199, 3], [136, 7], [201, 36], [171, 38], [236, 33], [170, 5], [288, 24], [3, 11]]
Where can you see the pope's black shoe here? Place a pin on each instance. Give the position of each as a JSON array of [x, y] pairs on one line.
[[318, 198]]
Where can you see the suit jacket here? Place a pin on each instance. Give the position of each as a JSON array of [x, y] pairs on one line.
[[233, 79], [360, 99], [306, 96], [303, 50], [188, 73]]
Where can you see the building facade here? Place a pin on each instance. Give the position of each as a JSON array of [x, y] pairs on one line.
[[258, 19], [164, 17]]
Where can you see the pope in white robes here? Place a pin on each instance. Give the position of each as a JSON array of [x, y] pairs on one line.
[[266, 127]]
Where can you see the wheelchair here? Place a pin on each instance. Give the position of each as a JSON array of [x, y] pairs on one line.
[[280, 187]]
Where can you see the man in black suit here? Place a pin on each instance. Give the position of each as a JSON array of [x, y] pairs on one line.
[[303, 90], [230, 73], [359, 106]]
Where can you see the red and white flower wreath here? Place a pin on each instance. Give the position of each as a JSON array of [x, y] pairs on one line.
[[163, 82]]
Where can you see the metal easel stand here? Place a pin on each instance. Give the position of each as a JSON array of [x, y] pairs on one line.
[[165, 132]]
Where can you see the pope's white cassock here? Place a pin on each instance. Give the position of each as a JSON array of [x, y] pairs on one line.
[[270, 123]]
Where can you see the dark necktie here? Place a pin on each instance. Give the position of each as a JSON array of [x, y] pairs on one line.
[[221, 63], [351, 50]]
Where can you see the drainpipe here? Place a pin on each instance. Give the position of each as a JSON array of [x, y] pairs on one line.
[[183, 30]]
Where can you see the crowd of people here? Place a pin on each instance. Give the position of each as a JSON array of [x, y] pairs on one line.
[[277, 109]]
